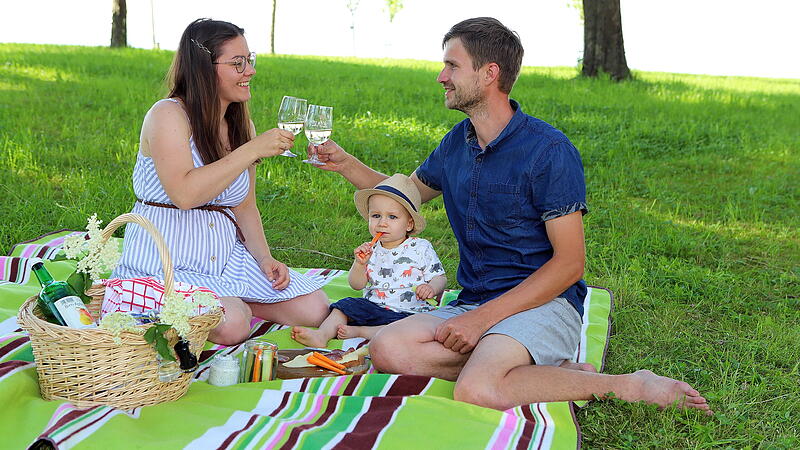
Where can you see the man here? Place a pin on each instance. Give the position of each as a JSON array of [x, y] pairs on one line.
[[514, 192]]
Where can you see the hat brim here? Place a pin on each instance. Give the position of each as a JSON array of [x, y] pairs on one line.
[[361, 199]]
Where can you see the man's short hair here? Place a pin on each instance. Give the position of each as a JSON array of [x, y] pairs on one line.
[[487, 40]]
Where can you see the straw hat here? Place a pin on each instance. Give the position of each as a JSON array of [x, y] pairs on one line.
[[400, 188]]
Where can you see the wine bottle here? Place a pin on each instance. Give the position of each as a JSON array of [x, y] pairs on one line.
[[187, 359], [59, 302]]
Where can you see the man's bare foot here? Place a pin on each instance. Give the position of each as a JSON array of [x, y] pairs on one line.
[[663, 391], [585, 367], [309, 337]]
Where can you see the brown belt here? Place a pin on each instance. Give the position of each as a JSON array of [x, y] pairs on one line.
[[218, 208]]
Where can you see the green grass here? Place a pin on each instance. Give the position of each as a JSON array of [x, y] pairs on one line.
[[692, 185]]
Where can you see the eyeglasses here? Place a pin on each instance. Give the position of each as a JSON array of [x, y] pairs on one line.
[[240, 62]]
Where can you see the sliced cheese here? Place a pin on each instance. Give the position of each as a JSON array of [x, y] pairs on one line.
[[299, 361]]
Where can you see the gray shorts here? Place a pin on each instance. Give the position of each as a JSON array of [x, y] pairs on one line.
[[550, 332]]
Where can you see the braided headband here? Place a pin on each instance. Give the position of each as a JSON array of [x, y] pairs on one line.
[[201, 46]]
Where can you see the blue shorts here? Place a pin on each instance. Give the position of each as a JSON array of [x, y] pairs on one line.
[[362, 312]]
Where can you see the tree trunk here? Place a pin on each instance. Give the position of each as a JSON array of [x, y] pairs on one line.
[[119, 27], [603, 49], [272, 30]]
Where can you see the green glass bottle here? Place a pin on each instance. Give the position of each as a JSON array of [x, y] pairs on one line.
[[59, 302]]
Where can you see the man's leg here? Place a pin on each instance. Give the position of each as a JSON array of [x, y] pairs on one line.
[[499, 375], [407, 346]]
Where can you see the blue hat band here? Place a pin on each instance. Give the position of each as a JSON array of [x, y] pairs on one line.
[[397, 193]]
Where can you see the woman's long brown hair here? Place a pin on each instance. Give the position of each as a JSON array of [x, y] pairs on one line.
[[193, 79]]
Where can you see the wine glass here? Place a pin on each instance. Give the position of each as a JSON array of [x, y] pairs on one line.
[[291, 115], [319, 125]]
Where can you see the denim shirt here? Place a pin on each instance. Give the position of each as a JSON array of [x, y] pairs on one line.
[[498, 199]]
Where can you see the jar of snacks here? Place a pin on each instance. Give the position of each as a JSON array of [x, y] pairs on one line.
[[259, 361]]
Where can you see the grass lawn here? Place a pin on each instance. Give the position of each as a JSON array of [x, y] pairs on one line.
[[692, 185]]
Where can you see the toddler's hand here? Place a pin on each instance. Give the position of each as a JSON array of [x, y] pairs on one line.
[[424, 291], [362, 253]]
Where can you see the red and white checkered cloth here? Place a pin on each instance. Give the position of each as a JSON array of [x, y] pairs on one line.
[[143, 294]]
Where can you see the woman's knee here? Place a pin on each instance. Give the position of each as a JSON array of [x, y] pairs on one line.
[[316, 307], [235, 326]]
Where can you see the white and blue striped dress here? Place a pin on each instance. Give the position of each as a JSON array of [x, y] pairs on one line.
[[202, 244]]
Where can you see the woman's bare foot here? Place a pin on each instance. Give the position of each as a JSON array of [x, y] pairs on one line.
[[585, 367], [309, 337], [663, 391]]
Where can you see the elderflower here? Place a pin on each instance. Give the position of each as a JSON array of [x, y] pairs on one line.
[[100, 257], [117, 322], [179, 308], [73, 246], [176, 312], [205, 299]]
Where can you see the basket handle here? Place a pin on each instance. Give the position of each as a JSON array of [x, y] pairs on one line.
[[163, 252]]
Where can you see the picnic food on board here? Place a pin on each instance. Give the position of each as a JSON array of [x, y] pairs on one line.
[[346, 358], [325, 363]]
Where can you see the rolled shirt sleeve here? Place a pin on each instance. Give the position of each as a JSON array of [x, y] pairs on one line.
[[558, 183]]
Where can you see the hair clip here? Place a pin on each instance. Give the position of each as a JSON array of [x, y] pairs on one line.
[[201, 46]]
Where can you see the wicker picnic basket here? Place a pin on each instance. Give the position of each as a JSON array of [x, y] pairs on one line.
[[87, 368]]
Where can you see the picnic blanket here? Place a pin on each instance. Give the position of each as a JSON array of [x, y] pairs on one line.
[[367, 411]]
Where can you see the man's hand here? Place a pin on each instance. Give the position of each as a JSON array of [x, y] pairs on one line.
[[331, 154], [276, 272], [461, 333]]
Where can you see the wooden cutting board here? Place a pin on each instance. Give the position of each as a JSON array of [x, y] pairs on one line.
[[287, 373]]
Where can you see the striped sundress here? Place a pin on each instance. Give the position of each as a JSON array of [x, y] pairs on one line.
[[202, 244]]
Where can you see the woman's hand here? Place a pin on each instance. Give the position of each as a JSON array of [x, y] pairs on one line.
[[272, 142], [276, 272], [331, 154]]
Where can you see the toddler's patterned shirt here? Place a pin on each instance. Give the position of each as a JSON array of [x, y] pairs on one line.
[[394, 274]]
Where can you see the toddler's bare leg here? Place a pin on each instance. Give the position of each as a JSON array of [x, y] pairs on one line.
[[347, 331]]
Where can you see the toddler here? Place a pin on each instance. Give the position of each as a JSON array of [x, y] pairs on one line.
[[398, 275]]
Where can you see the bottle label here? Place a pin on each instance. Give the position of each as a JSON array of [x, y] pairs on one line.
[[74, 312]]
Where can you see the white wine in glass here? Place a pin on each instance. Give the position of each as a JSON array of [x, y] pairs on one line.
[[291, 116], [319, 125]]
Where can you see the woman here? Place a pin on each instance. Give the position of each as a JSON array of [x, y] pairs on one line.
[[195, 180]]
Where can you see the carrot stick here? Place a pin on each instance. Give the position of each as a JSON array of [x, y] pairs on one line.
[[257, 366], [375, 239], [372, 242], [318, 362], [324, 358]]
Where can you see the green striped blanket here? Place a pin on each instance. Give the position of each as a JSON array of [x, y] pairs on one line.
[[367, 411]]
